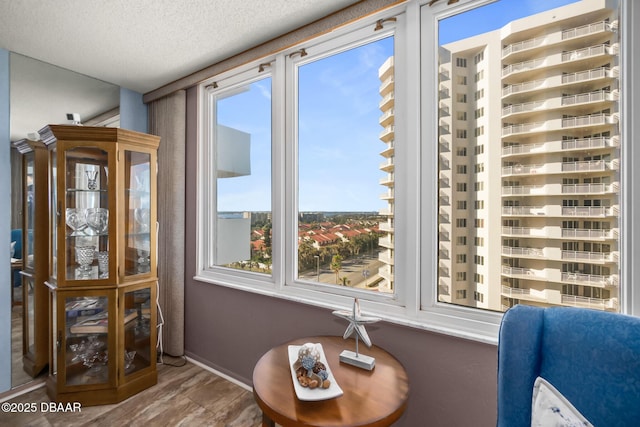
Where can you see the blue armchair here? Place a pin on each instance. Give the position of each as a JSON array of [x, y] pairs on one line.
[[591, 357]]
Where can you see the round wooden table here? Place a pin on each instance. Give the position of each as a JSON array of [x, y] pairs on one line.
[[373, 398]]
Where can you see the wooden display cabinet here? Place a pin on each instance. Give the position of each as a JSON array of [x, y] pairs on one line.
[[35, 256], [103, 276]]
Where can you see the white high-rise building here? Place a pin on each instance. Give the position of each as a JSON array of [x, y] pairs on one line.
[[529, 183], [387, 120]]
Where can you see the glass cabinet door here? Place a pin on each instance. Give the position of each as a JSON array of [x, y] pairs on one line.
[[28, 287], [138, 342], [86, 214], [56, 218], [29, 205], [85, 345], [138, 227]]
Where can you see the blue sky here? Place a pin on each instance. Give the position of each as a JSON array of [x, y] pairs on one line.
[[338, 131]]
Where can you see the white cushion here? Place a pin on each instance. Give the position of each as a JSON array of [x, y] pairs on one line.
[[549, 408]]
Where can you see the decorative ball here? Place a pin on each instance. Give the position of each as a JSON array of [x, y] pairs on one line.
[[309, 349], [323, 374]]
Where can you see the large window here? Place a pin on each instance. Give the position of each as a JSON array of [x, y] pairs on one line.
[[240, 175], [442, 162], [345, 165], [551, 89]]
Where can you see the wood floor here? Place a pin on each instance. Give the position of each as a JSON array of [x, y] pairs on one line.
[[184, 396]]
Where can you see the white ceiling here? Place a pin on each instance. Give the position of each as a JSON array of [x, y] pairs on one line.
[[139, 44]]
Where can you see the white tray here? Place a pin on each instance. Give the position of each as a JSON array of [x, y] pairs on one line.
[[306, 393]]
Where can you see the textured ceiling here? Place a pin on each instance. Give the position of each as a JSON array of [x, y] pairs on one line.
[[144, 44], [136, 44]]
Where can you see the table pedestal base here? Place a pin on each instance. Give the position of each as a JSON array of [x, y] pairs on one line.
[[359, 360]]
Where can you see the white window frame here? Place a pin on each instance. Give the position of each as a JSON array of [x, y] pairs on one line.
[[415, 302]]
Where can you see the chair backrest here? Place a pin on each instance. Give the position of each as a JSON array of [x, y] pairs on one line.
[[592, 357], [16, 236]]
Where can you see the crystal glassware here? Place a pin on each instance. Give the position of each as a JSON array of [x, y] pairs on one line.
[[76, 219], [84, 257], [92, 179], [141, 215], [103, 264], [98, 219]]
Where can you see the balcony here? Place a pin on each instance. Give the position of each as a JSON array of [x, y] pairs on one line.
[[387, 166], [387, 102], [522, 252], [589, 52], [590, 211], [387, 196], [386, 272], [592, 257], [527, 210], [523, 66], [558, 146], [594, 303], [590, 188], [386, 242], [443, 254], [389, 150], [524, 294], [589, 234], [443, 272], [593, 74], [559, 124], [387, 133], [600, 96], [560, 80], [555, 232], [387, 85], [590, 120], [590, 97], [387, 180], [443, 236], [387, 118], [558, 167], [386, 257], [557, 37], [526, 107], [585, 30], [386, 226]]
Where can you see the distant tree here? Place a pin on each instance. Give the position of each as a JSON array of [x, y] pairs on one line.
[[336, 266]]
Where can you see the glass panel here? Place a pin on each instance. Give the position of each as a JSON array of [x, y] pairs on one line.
[[137, 330], [86, 340], [243, 183], [138, 206], [529, 145], [29, 209], [53, 265], [27, 284], [55, 336], [87, 212], [346, 168]]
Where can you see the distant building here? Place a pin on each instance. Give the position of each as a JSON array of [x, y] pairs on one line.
[[387, 121], [529, 162]]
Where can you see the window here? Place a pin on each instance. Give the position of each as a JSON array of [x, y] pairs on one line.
[[339, 131], [340, 210], [462, 169], [515, 148], [241, 179]]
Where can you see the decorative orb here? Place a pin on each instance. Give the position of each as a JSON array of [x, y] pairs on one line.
[[309, 350]]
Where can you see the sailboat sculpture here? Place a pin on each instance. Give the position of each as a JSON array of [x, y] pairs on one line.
[[356, 325]]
